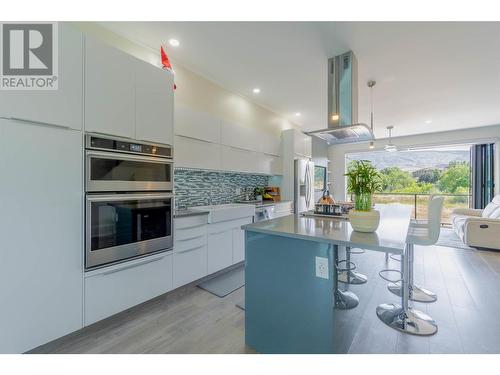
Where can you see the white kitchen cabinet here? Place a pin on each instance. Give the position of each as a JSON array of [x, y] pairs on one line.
[[154, 101], [64, 106], [269, 164], [220, 249], [303, 144], [41, 227], [196, 124], [241, 137], [238, 245], [194, 153], [190, 249], [113, 289], [238, 160], [270, 144], [109, 89], [283, 209]]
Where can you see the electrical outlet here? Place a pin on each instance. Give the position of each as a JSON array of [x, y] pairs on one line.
[[322, 267]]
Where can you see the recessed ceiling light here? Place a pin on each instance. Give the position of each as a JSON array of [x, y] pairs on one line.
[[428, 121], [297, 114], [256, 90], [174, 42]]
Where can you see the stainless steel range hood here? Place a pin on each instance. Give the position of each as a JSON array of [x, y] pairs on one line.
[[343, 126]]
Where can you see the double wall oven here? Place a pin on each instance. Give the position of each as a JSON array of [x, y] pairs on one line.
[[128, 200]]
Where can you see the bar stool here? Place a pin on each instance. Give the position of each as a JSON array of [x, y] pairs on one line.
[[423, 235], [413, 222], [343, 299], [349, 276]]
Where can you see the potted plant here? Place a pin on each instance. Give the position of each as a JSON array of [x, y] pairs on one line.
[[363, 180], [258, 192]]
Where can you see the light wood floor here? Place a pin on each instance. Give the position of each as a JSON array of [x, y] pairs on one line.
[[191, 320]]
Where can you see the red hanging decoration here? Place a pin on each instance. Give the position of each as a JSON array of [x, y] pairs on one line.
[[165, 61]]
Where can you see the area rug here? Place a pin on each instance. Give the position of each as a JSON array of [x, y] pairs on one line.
[[225, 283], [448, 238]]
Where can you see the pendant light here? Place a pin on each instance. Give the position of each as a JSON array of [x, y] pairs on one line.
[[370, 85], [390, 147]]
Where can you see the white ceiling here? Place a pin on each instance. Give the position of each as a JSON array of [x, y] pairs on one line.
[[447, 72]]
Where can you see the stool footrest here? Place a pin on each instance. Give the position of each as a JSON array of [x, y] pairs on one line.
[[381, 274], [350, 266]]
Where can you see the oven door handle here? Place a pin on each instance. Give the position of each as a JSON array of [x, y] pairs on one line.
[[120, 156], [127, 197]]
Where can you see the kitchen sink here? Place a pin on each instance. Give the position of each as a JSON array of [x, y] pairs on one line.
[[226, 212]]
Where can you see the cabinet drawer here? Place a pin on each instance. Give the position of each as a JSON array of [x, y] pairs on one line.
[[191, 243], [190, 221], [189, 233], [111, 290], [190, 265]]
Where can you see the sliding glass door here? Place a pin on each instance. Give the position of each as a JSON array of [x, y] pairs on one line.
[[482, 159]]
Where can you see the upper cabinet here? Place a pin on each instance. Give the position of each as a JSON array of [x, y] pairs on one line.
[[125, 96], [302, 144], [154, 101], [61, 107], [207, 142], [196, 124], [109, 90]]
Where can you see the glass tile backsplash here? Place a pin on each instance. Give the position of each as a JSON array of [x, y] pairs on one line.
[[194, 187]]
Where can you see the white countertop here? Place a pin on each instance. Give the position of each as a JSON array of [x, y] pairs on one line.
[[389, 237]]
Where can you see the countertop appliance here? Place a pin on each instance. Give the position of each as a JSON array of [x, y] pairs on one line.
[[128, 199], [303, 185]]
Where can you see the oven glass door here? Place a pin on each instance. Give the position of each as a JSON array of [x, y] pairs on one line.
[[121, 172], [125, 226]]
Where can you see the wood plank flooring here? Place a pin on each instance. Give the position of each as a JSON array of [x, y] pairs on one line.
[[191, 320]]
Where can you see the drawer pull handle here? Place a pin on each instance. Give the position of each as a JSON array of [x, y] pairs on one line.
[[133, 265], [190, 238], [188, 250], [483, 226]]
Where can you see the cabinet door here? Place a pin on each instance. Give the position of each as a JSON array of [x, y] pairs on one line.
[[238, 245], [41, 268], [109, 90], [190, 265], [220, 250], [196, 124], [154, 101], [193, 153], [238, 160], [59, 107]]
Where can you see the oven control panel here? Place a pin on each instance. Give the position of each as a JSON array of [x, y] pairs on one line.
[[116, 144]]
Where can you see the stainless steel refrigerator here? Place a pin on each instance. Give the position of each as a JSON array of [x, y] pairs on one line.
[[303, 186]]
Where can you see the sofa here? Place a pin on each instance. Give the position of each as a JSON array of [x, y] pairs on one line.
[[479, 228]]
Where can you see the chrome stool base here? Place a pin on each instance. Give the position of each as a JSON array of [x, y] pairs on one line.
[[412, 321], [352, 277], [417, 293], [345, 300]]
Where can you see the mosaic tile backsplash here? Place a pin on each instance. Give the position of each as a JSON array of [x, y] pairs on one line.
[[194, 187]]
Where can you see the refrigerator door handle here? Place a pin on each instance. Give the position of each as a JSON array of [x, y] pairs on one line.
[[308, 187]]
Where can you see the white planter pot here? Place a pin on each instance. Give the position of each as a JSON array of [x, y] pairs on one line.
[[364, 221]]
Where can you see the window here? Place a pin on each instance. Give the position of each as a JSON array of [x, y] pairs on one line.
[[319, 178]]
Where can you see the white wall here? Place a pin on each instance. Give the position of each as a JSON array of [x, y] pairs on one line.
[[197, 92], [336, 153]]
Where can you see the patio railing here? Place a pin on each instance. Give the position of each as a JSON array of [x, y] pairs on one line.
[[419, 202]]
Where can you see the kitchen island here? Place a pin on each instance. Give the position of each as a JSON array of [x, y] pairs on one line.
[[293, 300]]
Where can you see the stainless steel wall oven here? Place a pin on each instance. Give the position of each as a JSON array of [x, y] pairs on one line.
[[128, 201]]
